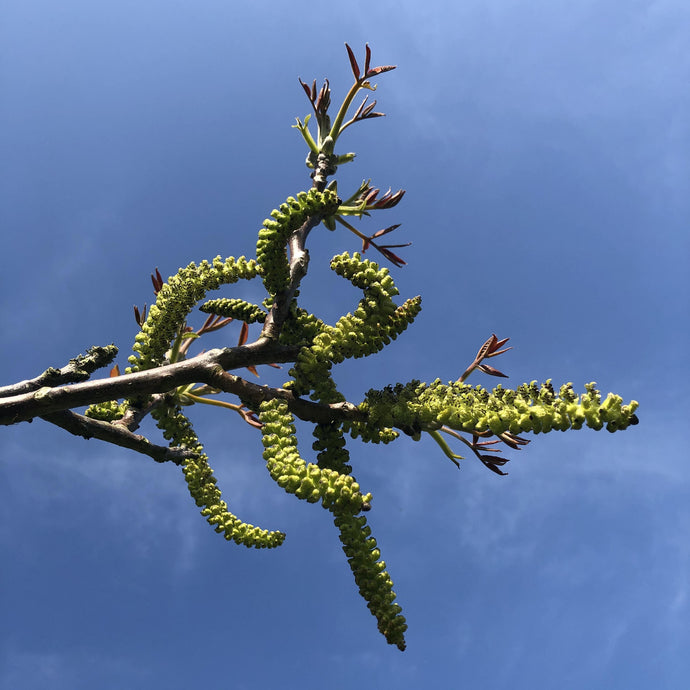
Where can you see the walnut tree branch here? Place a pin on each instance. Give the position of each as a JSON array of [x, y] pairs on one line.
[[199, 369], [325, 166], [78, 369], [306, 410], [299, 263], [79, 425], [135, 413], [209, 368]]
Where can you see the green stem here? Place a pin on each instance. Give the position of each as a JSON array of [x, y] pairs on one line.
[[337, 123], [306, 135], [175, 349], [210, 401], [351, 228], [445, 448]]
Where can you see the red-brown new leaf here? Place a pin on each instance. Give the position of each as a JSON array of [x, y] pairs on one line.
[[353, 63], [250, 418], [244, 334], [493, 463], [485, 348], [491, 371], [140, 316], [499, 343], [308, 91], [385, 231], [379, 70], [371, 196], [157, 281], [394, 258]]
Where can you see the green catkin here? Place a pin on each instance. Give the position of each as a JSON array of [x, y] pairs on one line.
[[330, 447], [300, 327], [203, 487], [273, 236], [235, 309], [372, 579], [307, 481], [376, 321], [530, 408], [107, 411], [176, 298], [331, 483]]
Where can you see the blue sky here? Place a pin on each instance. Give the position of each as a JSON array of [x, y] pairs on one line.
[[544, 148]]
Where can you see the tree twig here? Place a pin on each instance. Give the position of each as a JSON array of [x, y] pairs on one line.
[[79, 425], [78, 369], [206, 368], [299, 263], [304, 409], [199, 369]]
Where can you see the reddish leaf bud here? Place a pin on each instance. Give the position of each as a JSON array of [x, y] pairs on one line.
[[353, 62]]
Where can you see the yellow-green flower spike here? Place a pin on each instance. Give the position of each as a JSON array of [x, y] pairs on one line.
[[376, 321], [203, 487], [107, 411], [300, 327], [235, 309], [416, 407], [273, 236], [374, 582], [307, 481], [176, 298], [331, 483], [330, 445], [364, 274]]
